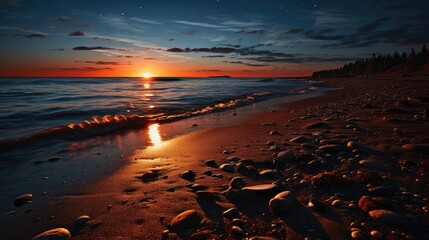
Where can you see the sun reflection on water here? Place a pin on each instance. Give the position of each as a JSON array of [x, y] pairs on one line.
[[154, 135]]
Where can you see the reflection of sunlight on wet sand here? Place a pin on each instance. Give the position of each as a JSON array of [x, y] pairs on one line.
[[154, 135]]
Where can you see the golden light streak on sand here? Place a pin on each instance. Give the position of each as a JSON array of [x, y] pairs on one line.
[[154, 135]]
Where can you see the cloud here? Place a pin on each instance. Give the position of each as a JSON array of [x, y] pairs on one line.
[[59, 19], [76, 34], [372, 26], [86, 69], [199, 24], [124, 56], [321, 35], [57, 49], [260, 31], [35, 35], [190, 32], [85, 48], [247, 64], [208, 70], [150, 58], [8, 2], [214, 56], [100, 63], [399, 6], [171, 39], [206, 50], [296, 30], [301, 59], [141, 20]]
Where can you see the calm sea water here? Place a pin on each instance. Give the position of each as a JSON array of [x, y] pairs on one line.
[[31, 106]]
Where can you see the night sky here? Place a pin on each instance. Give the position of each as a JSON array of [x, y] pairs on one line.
[[202, 37]]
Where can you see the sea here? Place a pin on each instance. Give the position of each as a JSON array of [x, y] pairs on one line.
[[75, 108]]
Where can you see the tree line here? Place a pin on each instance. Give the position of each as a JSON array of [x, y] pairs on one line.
[[377, 64]]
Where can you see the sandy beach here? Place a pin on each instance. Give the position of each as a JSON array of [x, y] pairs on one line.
[[354, 163]]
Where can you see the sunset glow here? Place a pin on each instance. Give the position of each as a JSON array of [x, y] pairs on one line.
[[262, 39], [147, 75]]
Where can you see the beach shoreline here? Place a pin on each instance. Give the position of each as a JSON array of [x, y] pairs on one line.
[[381, 114]]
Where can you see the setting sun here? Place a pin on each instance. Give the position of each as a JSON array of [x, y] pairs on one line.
[[146, 75]]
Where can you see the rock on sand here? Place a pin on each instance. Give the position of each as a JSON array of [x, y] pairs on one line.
[[185, 220], [54, 234], [23, 199]]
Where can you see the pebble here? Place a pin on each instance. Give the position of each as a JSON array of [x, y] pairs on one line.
[[188, 175], [334, 148], [262, 189], [371, 164], [81, 221], [358, 235], [236, 183], [54, 234], [318, 125], [300, 139], [376, 234], [275, 133], [231, 213], [268, 174], [149, 176], [420, 148], [23, 199], [233, 159], [237, 231], [211, 163], [185, 220], [390, 217], [227, 167], [283, 202]]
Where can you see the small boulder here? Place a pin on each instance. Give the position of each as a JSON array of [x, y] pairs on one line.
[[283, 202], [81, 221], [188, 175], [54, 234], [391, 217], [227, 167], [185, 220], [23, 199], [211, 163]]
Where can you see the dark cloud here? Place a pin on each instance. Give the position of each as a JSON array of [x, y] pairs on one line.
[[296, 30], [85, 48], [76, 34], [231, 45], [149, 58], [88, 69], [59, 19], [321, 35], [35, 35], [209, 70], [399, 6], [57, 49], [101, 38], [372, 26], [190, 32], [247, 64], [171, 39], [8, 2], [244, 51], [309, 59], [206, 50], [214, 56], [101, 63], [260, 31], [124, 56]]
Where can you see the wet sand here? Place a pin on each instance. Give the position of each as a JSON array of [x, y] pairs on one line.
[[378, 174]]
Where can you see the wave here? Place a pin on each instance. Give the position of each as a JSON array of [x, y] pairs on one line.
[[108, 124]]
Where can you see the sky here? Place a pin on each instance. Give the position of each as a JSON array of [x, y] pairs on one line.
[[198, 38]]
